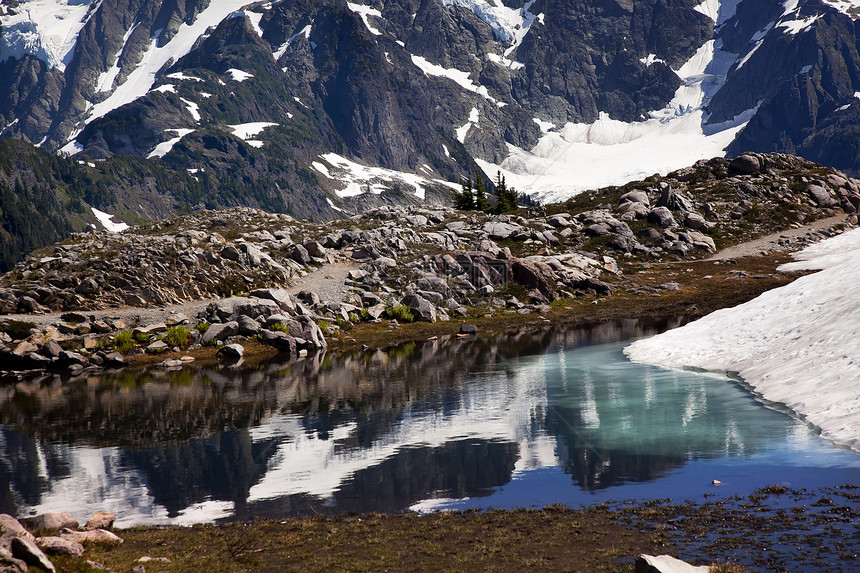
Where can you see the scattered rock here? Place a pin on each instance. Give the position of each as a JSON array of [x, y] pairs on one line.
[[101, 520], [50, 521]]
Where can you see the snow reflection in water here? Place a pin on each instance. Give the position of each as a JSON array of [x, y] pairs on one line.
[[545, 417]]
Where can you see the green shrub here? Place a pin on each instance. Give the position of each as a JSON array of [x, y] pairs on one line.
[[202, 327], [399, 312], [141, 337], [324, 326], [123, 342], [364, 314], [178, 336], [280, 327]]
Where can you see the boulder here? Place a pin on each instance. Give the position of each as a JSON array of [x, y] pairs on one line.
[[635, 196], [248, 326], [231, 352], [468, 329], [9, 524], [101, 520], [60, 546], [221, 331], [499, 231], [281, 341], [51, 520], [821, 196], [9, 564], [91, 536], [280, 296], [300, 254], [422, 309], [27, 551], [530, 275], [746, 164], [662, 216]]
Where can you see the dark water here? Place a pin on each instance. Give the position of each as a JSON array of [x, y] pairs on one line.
[[527, 419]]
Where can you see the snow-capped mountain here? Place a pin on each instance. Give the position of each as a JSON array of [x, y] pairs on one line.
[[316, 106]]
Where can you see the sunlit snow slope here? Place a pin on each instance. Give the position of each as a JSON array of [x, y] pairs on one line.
[[797, 345], [577, 157]]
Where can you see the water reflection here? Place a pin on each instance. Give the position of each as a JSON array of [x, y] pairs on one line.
[[371, 431]]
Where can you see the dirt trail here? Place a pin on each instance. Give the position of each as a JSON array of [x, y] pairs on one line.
[[327, 282], [770, 242]]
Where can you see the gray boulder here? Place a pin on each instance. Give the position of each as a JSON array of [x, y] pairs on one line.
[[499, 231], [422, 309], [747, 164], [60, 546], [50, 520], [821, 196], [248, 326], [27, 551], [231, 352], [221, 331], [662, 216]]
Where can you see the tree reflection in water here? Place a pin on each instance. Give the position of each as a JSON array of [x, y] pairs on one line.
[[374, 430]]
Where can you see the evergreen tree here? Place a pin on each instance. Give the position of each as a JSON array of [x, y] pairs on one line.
[[508, 198], [465, 199], [481, 203]]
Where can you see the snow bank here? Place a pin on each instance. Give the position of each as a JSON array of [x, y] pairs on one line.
[[510, 25], [46, 29], [107, 221], [248, 130], [164, 147], [798, 345], [361, 179]]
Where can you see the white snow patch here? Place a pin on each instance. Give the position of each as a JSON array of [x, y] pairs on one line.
[[107, 222], [254, 143], [849, 7], [205, 95], [805, 69], [364, 12], [106, 79], [46, 29], [650, 60], [140, 80], [322, 169], [505, 62], [71, 148], [248, 130], [797, 345], [545, 126], [361, 179], [255, 18], [445, 149], [306, 32], [164, 147], [182, 76], [166, 88], [718, 10], [463, 130], [794, 27], [510, 25], [239, 75], [579, 156], [332, 205], [193, 108], [459, 77]]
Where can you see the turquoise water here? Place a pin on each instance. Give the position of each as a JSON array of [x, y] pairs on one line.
[[522, 420]]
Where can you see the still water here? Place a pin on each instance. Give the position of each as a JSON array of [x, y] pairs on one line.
[[522, 420]]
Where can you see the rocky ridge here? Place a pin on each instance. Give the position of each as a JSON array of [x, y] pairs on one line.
[[405, 263], [60, 534]]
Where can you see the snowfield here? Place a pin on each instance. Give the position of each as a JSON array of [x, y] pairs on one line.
[[797, 345]]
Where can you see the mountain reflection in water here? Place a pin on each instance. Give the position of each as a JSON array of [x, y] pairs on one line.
[[374, 430]]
